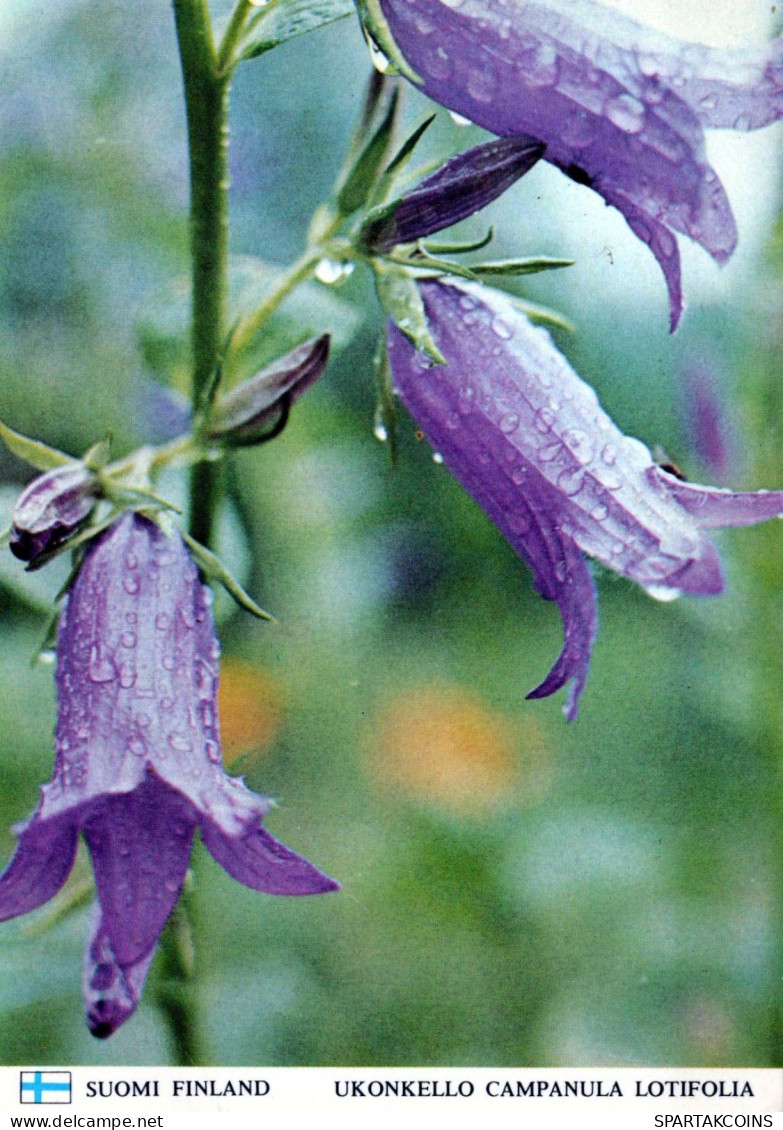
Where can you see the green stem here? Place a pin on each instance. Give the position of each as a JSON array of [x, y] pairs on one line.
[[206, 103], [225, 58], [176, 986], [250, 326]]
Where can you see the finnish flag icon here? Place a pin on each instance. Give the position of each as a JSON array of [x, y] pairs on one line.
[[45, 1087]]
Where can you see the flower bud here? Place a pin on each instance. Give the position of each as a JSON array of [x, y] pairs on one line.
[[50, 509], [462, 186], [257, 409]]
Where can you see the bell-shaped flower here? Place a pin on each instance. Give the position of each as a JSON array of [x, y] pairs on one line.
[[620, 107], [138, 766], [527, 438]]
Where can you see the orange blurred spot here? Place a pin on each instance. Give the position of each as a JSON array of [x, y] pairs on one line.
[[251, 709], [443, 744]]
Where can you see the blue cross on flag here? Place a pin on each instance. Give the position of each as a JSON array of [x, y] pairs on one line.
[[45, 1087]]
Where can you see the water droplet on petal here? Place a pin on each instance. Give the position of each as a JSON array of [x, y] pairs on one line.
[[180, 742], [626, 112], [609, 455], [501, 329], [544, 420], [483, 83], [131, 585], [459, 120], [600, 513], [127, 675], [571, 482], [579, 444], [101, 669], [438, 64], [128, 639], [509, 423], [162, 621]]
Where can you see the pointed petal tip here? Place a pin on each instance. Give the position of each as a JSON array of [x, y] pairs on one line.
[[259, 861]]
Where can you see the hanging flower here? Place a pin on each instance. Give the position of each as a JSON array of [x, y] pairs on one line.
[[620, 108], [529, 441], [138, 766]]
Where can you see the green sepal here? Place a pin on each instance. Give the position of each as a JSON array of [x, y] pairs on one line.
[[98, 456], [385, 407], [457, 248], [542, 315], [118, 491], [215, 570], [435, 266], [521, 266], [286, 20], [363, 174], [395, 166], [32, 451], [377, 31], [400, 298]]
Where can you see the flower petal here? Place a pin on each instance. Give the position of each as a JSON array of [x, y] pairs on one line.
[[619, 108], [111, 993], [41, 863], [140, 845], [715, 507], [260, 861]]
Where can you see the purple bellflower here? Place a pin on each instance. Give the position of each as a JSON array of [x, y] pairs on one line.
[[527, 438], [138, 765], [620, 108]]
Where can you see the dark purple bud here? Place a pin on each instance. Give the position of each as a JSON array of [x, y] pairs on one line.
[[462, 186], [51, 509], [257, 410]]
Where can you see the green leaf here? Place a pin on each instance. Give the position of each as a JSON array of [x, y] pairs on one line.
[[378, 33], [32, 451], [5, 537], [395, 166], [520, 266], [400, 298], [213, 567], [286, 20], [364, 172], [542, 315], [97, 456]]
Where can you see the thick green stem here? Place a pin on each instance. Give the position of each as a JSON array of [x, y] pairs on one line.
[[177, 984], [206, 102]]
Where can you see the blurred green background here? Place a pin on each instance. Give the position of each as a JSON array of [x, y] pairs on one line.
[[517, 890]]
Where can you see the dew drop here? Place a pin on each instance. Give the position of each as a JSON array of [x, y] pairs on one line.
[[380, 432], [571, 482], [332, 271], [483, 83], [132, 561], [437, 457], [518, 475], [179, 741], [579, 444], [501, 329], [162, 621], [518, 523], [128, 639], [459, 120], [609, 455], [550, 451], [131, 617], [187, 617], [143, 720], [379, 60], [166, 703], [438, 64], [561, 572], [626, 112], [544, 419], [47, 655], [664, 593], [131, 585], [127, 675], [138, 746], [509, 423], [101, 669], [599, 513], [213, 752]]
